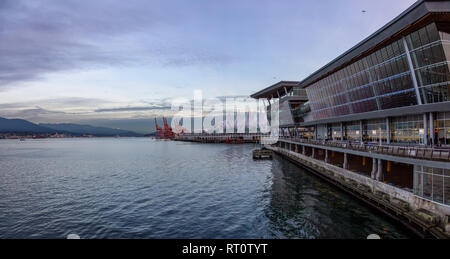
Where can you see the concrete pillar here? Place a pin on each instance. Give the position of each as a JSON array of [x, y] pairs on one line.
[[312, 154], [361, 135], [296, 148], [345, 161], [388, 131], [315, 132], [374, 168], [425, 128], [380, 170], [431, 120], [342, 131], [303, 150], [326, 156]]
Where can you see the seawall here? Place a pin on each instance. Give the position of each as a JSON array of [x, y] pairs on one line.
[[425, 218]]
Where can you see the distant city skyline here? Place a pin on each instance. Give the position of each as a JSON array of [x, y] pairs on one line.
[[109, 63]]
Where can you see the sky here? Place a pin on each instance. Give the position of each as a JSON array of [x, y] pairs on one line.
[[120, 63]]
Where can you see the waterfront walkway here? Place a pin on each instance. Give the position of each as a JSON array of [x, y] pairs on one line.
[[410, 151]]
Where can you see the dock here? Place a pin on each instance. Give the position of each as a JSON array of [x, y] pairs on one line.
[[262, 154], [235, 138]]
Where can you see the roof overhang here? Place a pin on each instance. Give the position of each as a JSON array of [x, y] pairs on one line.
[[273, 90], [416, 16]]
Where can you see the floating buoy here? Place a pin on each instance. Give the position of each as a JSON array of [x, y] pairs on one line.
[[73, 236], [373, 236]]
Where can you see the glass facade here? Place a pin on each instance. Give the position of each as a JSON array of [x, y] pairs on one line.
[[297, 91], [306, 133], [432, 184], [429, 48], [335, 132], [442, 128], [352, 131], [383, 80], [407, 129], [373, 130]]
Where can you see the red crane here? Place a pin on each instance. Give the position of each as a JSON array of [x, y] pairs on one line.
[[168, 133], [159, 131]]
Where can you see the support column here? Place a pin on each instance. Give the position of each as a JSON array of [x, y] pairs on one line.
[[345, 161], [296, 148], [413, 74], [431, 120], [312, 154], [374, 168], [342, 131], [380, 170], [388, 131], [361, 134], [315, 132], [326, 156], [425, 129], [303, 150]]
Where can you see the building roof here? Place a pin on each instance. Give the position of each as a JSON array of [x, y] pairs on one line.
[[411, 19], [272, 90]]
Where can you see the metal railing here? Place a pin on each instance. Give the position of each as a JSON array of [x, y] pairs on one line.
[[233, 135], [428, 153]]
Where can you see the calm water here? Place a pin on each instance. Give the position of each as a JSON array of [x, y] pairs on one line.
[[142, 188]]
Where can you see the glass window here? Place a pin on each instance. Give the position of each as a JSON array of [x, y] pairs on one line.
[[407, 129], [423, 36], [432, 32]]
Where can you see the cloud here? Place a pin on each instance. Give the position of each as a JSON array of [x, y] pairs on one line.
[[56, 103], [36, 113], [128, 109], [43, 36], [49, 36], [198, 58]]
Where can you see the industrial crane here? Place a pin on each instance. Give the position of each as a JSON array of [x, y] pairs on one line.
[[168, 133], [159, 131]]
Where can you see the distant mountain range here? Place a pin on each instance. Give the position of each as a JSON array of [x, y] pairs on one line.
[[26, 127], [22, 126], [88, 129]]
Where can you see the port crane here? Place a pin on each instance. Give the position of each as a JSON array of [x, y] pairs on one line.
[[168, 133], [159, 131]]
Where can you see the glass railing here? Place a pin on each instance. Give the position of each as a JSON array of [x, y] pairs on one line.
[[302, 110]]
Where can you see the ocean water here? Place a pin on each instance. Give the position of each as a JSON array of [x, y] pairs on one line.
[[144, 188]]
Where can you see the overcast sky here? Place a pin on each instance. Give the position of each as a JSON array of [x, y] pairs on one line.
[[77, 61]]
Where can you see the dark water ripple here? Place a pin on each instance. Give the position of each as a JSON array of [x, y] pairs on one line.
[[140, 188]]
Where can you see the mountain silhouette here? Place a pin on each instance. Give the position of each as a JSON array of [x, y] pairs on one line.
[[88, 129], [25, 127]]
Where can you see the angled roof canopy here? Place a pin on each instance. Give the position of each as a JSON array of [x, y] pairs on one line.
[[272, 90]]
